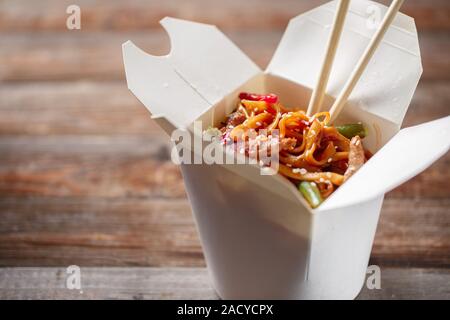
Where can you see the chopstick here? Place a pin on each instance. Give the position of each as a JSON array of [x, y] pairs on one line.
[[340, 101], [319, 91]]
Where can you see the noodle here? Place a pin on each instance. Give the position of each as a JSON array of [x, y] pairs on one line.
[[311, 150]]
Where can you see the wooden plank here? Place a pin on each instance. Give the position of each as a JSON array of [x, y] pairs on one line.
[[102, 232], [189, 283], [430, 102], [73, 108], [103, 108], [410, 283], [97, 55], [19, 15], [92, 166], [141, 231], [81, 108], [413, 232], [431, 183], [107, 283]]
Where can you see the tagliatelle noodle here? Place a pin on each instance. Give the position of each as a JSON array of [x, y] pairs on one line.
[[317, 148]]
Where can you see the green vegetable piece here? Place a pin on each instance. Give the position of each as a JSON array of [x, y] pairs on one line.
[[351, 130], [311, 193]]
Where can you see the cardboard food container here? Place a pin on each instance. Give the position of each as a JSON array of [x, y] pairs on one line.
[[260, 238]]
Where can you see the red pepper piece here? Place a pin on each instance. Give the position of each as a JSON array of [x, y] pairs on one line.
[[269, 98]]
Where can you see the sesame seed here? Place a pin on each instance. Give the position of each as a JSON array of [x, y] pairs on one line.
[[303, 171], [329, 160], [321, 180], [258, 123], [357, 143], [288, 165]]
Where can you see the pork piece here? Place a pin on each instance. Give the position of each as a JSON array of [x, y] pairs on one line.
[[233, 120], [236, 118], [287, 144], [355, 157]]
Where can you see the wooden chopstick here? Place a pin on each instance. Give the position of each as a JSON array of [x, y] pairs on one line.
[[319, 91], [364, 60]]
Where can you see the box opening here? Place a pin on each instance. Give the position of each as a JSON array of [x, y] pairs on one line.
[[292, 94]]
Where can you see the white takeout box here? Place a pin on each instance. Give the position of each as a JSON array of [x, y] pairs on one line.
[[260, 238]]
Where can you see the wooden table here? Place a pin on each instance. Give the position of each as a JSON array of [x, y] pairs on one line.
[[85, 174]]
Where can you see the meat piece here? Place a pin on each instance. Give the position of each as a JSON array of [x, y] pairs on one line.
[[339, 166], [235, 119], [355, 157], [287, 144]]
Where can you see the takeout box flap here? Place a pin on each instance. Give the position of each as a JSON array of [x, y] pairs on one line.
[[389, 81], [201, 68], [407, 154]]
